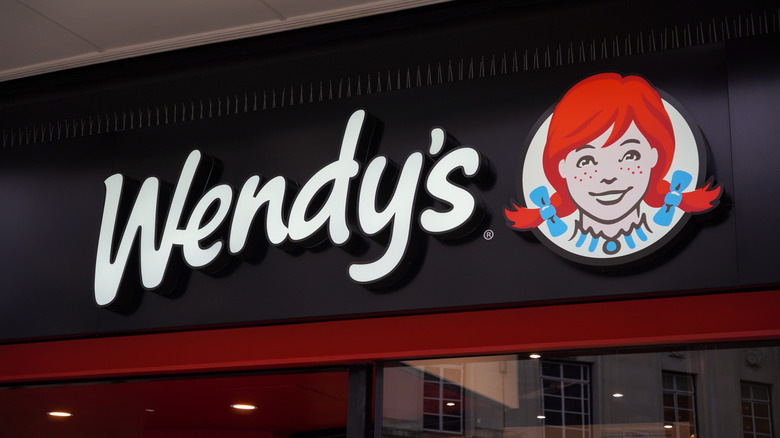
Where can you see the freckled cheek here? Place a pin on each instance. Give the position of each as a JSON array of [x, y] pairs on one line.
[[583, 176], [637, 170]]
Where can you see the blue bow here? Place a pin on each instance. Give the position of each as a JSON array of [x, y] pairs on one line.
[[680, 181], [541, 198]]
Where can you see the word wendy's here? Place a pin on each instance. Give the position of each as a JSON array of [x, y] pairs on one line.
[[289, 218]]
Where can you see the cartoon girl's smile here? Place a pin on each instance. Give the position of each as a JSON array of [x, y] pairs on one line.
[[611, 197]]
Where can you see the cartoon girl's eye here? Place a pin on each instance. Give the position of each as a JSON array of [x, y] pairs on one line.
[[631, 155], [587, 160]]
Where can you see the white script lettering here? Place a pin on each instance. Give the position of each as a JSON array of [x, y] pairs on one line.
[[296, 225]]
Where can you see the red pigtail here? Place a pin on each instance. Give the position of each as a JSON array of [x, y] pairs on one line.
[[698, 201], [523, 218], [701, 199]]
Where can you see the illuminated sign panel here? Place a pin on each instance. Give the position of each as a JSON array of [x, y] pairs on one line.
[[607, 178], [309, 220], [226, 180]]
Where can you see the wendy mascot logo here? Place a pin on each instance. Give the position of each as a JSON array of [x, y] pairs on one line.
[[612, 172]]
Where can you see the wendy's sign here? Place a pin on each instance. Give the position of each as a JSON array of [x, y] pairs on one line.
[[612, 172], [318, 211], [608, 177]]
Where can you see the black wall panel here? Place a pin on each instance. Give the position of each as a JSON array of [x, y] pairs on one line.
[[470, 74]]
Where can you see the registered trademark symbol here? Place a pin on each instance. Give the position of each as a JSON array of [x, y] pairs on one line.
[[488, 234]]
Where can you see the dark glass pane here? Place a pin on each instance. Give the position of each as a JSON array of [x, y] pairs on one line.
[[683, 383], [573, 419], [553, 403], [685, 402], [572, 390], [669, 415], [668, 381], [431, 406], [762, 426], [747, 424], [572, 372], [451, 424], [573, 405], [551, 387], [761, 410], [746, 409], [684, 416], [748, 435], [669, 400], [551, 369], [431, 422], [553, 418], [760, 392], [431, 390]]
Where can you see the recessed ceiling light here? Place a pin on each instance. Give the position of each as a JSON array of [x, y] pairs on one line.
[[541, 417], [535, 356], [668, 426], [60, 414], [243, 406], [450, 404], [617, 395]]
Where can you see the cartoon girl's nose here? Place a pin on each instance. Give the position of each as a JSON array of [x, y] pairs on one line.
[[608, 181]]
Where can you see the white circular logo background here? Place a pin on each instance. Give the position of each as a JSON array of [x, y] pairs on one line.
[[687, 157]]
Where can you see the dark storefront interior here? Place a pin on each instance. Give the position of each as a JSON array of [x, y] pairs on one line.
[[674, 391]]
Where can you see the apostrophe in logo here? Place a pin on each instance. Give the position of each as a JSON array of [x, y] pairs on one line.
[[612, 172]]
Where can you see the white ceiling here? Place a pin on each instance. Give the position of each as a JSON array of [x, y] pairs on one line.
[[41, 36]]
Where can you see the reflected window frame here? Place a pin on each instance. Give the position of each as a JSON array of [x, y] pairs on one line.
[[570, 400], [443, 399], [756, 397], [680, 389]]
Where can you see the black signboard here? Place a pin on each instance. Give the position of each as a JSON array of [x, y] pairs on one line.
[[484, 99]]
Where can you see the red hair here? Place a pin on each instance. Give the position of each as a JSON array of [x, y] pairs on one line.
[[588, 110]]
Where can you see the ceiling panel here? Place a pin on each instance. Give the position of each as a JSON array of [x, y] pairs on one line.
[[27, 37], [292, 8], [115, 24], [42, 36]]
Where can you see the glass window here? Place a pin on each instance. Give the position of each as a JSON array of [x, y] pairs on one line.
[[647, 392], [566, 401], [756, 410], [679, 407], [443, 398]]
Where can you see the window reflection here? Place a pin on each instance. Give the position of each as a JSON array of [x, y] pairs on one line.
[[566, 401], [679, 412], [651, 393], [756, 410]]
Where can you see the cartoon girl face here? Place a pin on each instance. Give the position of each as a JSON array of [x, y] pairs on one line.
[[606, 176], [608, 181]]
